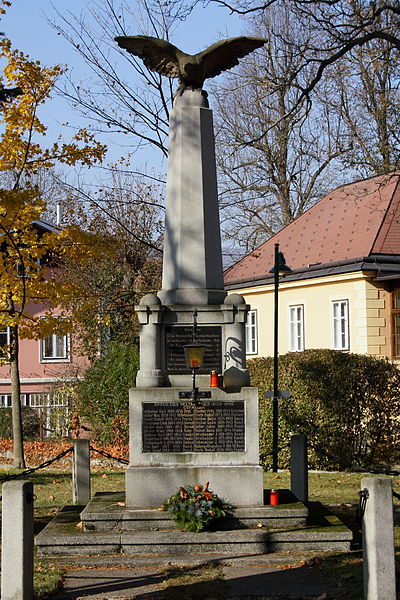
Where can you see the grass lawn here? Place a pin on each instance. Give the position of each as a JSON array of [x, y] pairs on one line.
[[328, 487], [53, 488], [339, 490]]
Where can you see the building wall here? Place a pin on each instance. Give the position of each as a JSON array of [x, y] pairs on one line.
[[378, 320], [368, 313], [38, 375]]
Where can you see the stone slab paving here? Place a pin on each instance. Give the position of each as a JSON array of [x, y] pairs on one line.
[[298, 581], [294, 583], [136, 582]]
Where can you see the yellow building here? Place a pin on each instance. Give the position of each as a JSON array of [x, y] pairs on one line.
[[344, 292]]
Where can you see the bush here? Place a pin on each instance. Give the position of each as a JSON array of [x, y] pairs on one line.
[[30, 424], [102, 396], [346, 404]]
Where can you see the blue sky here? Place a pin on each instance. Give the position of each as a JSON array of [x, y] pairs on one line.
[[26, 25]]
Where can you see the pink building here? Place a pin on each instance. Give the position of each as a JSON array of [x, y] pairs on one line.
[[43, 363]]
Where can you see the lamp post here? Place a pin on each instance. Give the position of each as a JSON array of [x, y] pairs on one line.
[[279, 269], [194, 354]]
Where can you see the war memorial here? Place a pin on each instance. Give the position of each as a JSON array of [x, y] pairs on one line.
[[193, 417], [177, 441]]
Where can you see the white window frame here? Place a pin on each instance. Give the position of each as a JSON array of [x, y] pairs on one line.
[[7, 332], [296, 328], [340, 325], [26, 274], [252, 332], [6, 400], [64, 357]]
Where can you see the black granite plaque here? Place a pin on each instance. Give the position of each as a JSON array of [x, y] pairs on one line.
[[176, 336], [210, 426]]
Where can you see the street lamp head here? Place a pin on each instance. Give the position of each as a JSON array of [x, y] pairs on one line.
[[281, 266]]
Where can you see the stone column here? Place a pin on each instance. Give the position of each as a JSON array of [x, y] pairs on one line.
[[192, 264], [81, 493], [17, 541], [378, 540], [149, 314], [299, 467]]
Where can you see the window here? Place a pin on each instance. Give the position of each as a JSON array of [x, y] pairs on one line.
[[25, 272], [4, 341], [340, 324], [54, 347], [396, 322], [6, 400], [296, 327], [251, 332]]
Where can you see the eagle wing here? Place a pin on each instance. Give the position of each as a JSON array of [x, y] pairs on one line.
[[157, 55], [224, 54]]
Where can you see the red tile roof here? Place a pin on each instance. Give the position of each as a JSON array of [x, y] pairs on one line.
[[353, 221]]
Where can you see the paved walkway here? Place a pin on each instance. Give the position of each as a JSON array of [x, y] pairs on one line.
[[244, 580]]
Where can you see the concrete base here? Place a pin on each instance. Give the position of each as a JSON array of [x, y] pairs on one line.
[[107, 512], [154, 475], [111, 528], [149, 486]]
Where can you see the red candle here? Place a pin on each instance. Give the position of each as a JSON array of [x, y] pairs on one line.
[[214, 379], [274, 497]]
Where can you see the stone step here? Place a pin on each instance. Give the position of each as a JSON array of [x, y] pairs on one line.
[[64, 536], [107, 512]]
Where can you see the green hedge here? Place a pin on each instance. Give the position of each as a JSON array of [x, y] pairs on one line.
[[346, 404], [102, 398]]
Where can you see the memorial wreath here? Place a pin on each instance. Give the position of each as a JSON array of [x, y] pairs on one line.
[[195, 508]]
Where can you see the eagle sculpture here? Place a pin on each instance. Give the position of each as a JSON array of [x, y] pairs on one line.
[[191, 70]]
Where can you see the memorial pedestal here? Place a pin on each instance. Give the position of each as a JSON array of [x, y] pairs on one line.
[[164, 331], [175, 443]]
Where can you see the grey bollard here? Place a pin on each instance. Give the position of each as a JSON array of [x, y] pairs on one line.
[[378, 539], [17, 541], [81, 493], [299, 467]]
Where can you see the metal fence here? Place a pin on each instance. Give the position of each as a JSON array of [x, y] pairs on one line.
[[52, 409]]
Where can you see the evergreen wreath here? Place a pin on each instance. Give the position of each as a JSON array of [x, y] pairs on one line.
[[195, 508]]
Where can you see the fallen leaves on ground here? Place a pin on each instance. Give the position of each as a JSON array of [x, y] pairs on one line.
[[38, 452]]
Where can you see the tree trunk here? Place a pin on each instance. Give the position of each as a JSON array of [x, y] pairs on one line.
[[18, 445]]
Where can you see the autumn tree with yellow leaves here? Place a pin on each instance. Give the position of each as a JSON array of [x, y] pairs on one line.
[[27, 254]]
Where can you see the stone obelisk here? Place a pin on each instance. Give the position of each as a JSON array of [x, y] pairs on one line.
[[192, 266], [192, 261], [174, 441]]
